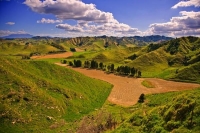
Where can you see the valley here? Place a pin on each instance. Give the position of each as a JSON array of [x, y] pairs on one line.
[[121, 84]]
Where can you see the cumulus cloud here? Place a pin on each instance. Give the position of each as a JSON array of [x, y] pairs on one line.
[[89, 19], [10, 23], [118, 29], [70, 9], [70, 28], [187, 3], [49, 21], [7, 32], [186, 24]]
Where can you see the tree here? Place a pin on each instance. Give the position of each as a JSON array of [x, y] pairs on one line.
[[108, 67], [101, 65], [96, 65], [141, 98], [71, 63], [63, 61], [126, 70], [112, 67], [139, 73], [133, 71], [93, 64], [73, 49], [118, 69]]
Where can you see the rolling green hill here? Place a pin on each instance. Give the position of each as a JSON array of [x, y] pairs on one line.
[[39, 96], [162, 113]]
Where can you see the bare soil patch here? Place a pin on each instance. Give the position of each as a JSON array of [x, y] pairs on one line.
[[61, 55], [126, 91]]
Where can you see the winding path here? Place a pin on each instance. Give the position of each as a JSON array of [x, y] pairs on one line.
[[126, 91]]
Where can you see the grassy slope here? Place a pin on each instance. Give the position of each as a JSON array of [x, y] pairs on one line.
[[36, 95], [170, 112], [15, 47], [160, 113]]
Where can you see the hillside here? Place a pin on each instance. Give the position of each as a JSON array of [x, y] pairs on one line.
[[160, 113], [170, 59], [177, 59], [170, 112], [39, 96]]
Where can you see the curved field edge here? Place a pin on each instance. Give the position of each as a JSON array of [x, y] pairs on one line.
[[39, 96]]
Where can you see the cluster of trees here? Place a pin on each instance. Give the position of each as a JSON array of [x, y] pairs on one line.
[[121, 70], [72, 49], [126, 70], [132, 57]]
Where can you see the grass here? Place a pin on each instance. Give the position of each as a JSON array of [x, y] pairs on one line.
[[147, 84], [168, 112], [159, 113], [35, 95]]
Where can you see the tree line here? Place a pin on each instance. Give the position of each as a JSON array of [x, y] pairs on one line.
[[120, 70]]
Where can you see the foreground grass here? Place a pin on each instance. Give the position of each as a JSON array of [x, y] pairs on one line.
[[168, 112], [39, 96]]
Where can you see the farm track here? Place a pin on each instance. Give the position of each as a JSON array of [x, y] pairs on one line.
[[126, 91], [61, 55]]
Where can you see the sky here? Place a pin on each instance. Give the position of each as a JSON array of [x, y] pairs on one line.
[[74, 18]]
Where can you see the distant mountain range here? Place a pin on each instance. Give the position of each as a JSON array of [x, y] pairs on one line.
[[13, 36]]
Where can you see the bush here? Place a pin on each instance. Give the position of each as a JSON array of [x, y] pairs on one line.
[[141, 98]]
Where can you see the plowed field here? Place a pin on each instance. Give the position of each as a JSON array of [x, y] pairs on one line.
[[126, 91], [61, 55]]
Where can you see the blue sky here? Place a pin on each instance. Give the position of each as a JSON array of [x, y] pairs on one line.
[[71, 18]]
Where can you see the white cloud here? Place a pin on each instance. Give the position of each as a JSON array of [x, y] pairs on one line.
[[70, 28], [112, 29], [90, 20], [7, 32], [10, 23], [187, 3], [70, 9], [49, 21], [186, 24]]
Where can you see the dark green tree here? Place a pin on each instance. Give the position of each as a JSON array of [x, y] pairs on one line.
[[141, 98], [133, 71], [101, 65], [112, 67], [139, 73], [71, 63]]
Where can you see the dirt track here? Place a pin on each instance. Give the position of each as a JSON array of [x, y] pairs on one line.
[[62, 55], [126, 91]]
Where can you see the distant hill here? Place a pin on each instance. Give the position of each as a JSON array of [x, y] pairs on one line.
[[12, 36], [153, 38]]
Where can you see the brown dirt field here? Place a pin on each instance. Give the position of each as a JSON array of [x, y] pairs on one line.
[[61, 55], [126, 91]]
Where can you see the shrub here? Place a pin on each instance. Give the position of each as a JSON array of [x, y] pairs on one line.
[[141, 98]]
